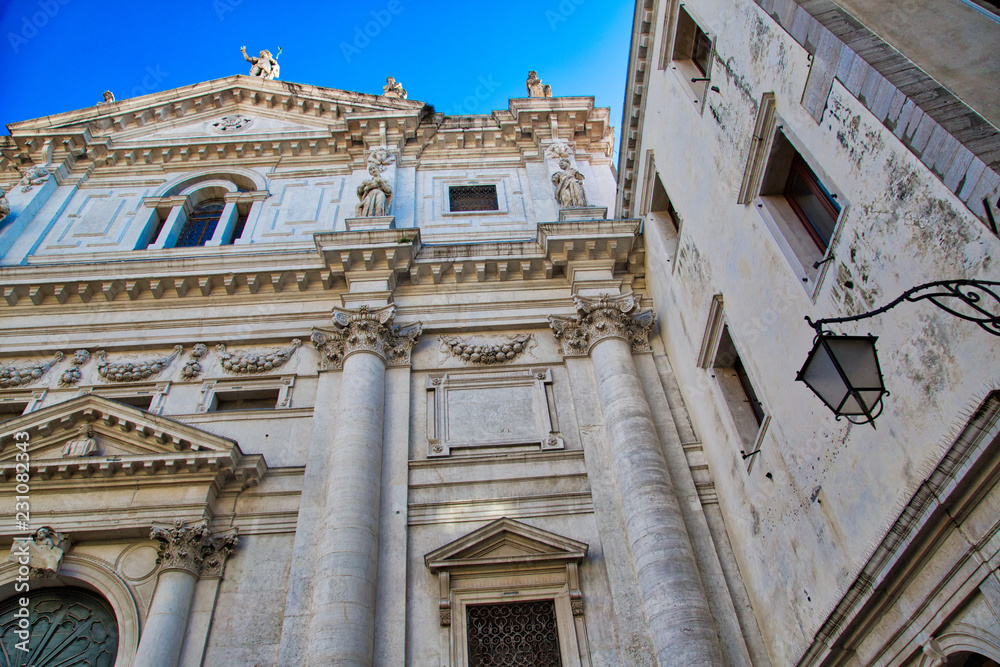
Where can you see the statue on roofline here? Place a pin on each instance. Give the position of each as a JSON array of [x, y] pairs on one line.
[[265, 66], [4, 205], [393, 88], [535, 86]]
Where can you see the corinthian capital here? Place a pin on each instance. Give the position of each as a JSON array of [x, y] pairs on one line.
[[605, 317], [366, 330], [193, 548]]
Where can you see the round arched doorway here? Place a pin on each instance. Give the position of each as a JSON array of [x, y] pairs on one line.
[[70, 627]]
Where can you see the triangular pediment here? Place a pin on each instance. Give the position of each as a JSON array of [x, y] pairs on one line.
[[505, 542], [287, 104], [232, 124], [94, 427]]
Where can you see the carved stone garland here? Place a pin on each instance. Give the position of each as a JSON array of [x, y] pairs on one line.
[[486, 354], [605, 317], [192, 368], [132, 371], [73, 374], [193, 548], [247, 363], [19, 376], [34, 176], [365, 329]]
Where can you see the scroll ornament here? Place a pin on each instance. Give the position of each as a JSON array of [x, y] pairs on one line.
[[249, 362], [605, 317], [132, 371], [19, 376], [486, 354]]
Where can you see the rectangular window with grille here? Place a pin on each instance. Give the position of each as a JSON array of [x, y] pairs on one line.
[[473, 198], [513, 634]]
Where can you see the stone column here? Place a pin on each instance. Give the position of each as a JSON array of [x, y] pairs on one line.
[[610, 329], [342, 627], [185, 553]]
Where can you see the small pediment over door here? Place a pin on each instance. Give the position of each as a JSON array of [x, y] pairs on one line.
[[505, 542]]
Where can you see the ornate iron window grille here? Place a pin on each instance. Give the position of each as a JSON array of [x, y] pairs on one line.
[[515, 634], [473, 198]]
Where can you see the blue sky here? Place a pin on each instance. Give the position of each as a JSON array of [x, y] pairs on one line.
[[466, 57]]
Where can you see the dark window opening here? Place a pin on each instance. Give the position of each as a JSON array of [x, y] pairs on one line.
[[473, 198], [751, 395], [661, 204], [156, 231], [257, 399], [10, 411], [702, 50], [241, 223], [516, 633], [812, 202], [201, 224], [740, 395], [141, 401]]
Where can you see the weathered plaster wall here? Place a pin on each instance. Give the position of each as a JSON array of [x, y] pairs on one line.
[[801, 533]]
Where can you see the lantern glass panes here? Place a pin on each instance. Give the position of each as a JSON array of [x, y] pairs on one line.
[[844, 372]]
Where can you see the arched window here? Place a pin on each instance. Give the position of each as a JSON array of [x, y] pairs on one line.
[[970, 660], [69, 626], [201, 223]]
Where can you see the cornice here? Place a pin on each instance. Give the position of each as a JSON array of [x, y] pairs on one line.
[[635, 103], [249, 270]]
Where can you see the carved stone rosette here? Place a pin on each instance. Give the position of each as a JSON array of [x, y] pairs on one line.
[[193, 548], [73, 374], [486, 354], [368, 330], [249, 362], [19, 376], [132, 371], [605, 317], [192, 368]]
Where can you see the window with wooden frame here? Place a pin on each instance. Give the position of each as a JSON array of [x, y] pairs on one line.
[[812, 202], [701, 50]]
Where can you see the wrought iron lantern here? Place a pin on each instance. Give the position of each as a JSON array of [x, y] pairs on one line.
[[844, 371]]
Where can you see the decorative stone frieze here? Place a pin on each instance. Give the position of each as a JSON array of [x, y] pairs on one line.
[[42, 552], [73, 374], [19, 376], [481, 353], [605, 317], [132, 371], [33, 176], [193, 548], [369, 330], [251, 362], [192, 367]]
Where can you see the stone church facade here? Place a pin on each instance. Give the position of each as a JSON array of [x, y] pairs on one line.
[[302, 376]]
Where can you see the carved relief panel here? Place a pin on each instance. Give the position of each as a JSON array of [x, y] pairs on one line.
[[485, 410]]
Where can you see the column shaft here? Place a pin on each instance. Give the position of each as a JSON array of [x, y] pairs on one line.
[[342, 627], [674, 599], [163, 634]]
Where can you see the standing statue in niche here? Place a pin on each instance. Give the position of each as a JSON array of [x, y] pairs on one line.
[[393, 88], [569, 186], [265, 67], [375, 195], [535, 86]]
